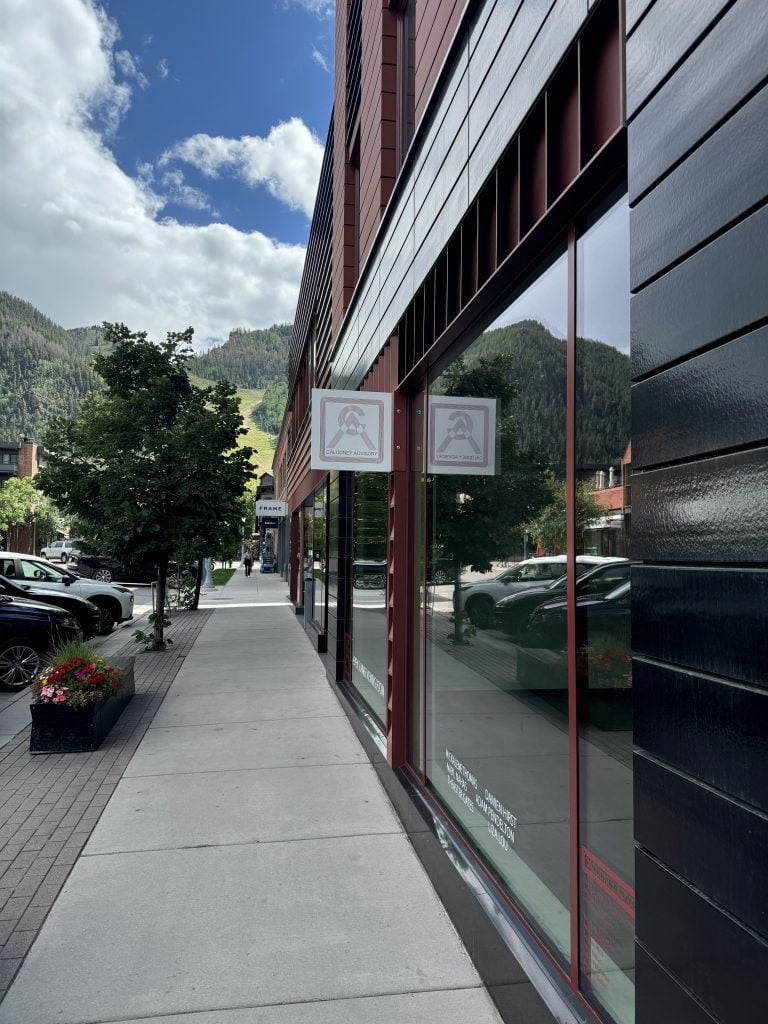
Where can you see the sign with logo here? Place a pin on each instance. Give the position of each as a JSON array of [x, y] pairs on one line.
[[271, 507], [462, 436], [351, 430], [269, 522]]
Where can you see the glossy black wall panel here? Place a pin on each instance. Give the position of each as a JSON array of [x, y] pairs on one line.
[[661, 998], [710, 620], [715, 400], [714, 510], [717, 292], [690, 827], [661, 40], [717, 184], [714, 956], [709, 729], [727, 66]]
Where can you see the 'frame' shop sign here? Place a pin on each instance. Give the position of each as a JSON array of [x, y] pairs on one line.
[[271, 507], [352, 430]]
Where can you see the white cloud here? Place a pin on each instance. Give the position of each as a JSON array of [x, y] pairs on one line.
[[129, 66], [323, 8], [287, 161], [319, 59], [81, 239], [162, 67], [177, 190]]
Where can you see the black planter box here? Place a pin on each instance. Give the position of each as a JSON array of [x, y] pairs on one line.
[[58, 730]]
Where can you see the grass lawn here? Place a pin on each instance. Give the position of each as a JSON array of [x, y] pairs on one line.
[[222, 576]]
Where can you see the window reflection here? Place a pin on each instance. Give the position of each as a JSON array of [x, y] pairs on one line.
[[319, 556], [497, 705], [369, 590], [604, 678]]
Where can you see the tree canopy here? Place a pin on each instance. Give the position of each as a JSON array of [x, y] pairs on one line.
[[151, 465]]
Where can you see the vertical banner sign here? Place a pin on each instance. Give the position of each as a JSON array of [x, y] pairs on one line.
[[351, 430], [462, 435]]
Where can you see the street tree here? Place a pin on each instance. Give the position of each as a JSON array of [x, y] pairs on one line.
[[549, 527], [152, 464], [23, 504], [479, 519]]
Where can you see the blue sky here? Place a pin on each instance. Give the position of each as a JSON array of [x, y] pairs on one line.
[[161, 157], [234, 68]]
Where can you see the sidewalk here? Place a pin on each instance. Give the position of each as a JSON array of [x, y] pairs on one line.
[[248, 868]]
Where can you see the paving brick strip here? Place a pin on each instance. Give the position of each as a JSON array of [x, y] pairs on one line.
[[50, 803]]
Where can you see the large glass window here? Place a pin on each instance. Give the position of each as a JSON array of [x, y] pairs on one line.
[[369, 590], [497, 700], [604, 677], [319, 556], [499, 682]]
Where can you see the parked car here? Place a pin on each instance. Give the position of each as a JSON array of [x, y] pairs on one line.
[[114, 603], [511, 613], [478, 599], [28, 630], [369, 575], [106, 570], [88, 615], [606, 616], [62, 551]]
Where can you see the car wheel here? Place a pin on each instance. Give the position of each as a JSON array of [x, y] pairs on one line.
[[19, 664], [440, 576], [103, 576], [64, 557], [480, 612], [107, 620]]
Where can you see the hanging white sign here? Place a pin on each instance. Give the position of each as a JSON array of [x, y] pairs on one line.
[[351, 430], [462, 435], [271, 507]]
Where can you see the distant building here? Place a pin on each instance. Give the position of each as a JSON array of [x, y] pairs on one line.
[[19, 458]]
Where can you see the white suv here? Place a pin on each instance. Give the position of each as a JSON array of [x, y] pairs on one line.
[[114, 602], [62, 551], [478, 599]]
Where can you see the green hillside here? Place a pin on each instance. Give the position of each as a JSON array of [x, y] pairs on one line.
[[45, 371], [603, 392], [250, 359]]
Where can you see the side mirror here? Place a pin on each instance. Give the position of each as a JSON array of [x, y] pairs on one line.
[[68, 581]]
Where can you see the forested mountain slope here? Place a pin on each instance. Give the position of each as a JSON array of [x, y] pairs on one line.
[[250, 359], [45, 371], [539, 362]]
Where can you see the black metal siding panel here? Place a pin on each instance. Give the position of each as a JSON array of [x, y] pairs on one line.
[[657, 990], [715, 400], [715, 511], [710, 729], [635, 10], [716, 293], [717, 184], [690, 828], [661, 40], [727, 66], [712, 955], [710, 620]]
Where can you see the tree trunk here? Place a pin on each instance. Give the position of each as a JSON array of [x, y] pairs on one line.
[[458, 616], [158, 644], [198, 584]]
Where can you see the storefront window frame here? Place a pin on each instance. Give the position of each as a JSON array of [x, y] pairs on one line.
[[612, 191]]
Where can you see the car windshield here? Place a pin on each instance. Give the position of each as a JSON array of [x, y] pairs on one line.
[[558, 584]]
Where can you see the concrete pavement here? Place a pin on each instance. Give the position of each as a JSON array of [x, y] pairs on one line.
[[249, 868]]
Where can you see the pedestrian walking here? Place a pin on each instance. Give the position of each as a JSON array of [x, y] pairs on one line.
[[247, 559]]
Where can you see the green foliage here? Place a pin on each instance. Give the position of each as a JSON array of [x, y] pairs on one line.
[[151, 465], [22, 503], [251, 359], [549, 527], [270, 413], [45, 371]]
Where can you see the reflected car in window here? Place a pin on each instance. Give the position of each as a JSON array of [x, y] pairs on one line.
[[511, 613], [478, 599], [606, 616]]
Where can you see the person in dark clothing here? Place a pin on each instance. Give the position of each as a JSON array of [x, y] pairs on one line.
[[247, 560]]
